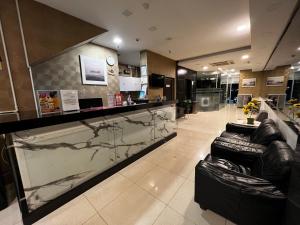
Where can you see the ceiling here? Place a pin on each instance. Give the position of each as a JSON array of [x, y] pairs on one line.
[[184, 30], [286, 53]]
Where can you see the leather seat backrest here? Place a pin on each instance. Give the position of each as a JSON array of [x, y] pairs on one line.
[[266, 133], [277, 163], [261, 116]]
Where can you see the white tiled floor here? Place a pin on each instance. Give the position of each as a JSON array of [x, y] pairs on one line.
[[158, 189]]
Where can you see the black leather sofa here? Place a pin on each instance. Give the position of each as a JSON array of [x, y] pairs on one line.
[[247, 194], [264, 134]]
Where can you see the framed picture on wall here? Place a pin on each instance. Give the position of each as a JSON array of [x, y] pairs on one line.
[[93, 71], [249, 82], [275, 81]]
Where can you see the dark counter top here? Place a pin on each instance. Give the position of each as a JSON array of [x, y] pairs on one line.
[[14, 122]]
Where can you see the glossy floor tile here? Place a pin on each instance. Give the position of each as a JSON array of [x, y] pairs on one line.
[[157, 189], [135, 206]]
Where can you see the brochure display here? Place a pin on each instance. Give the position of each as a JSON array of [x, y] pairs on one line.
[[49, 101]]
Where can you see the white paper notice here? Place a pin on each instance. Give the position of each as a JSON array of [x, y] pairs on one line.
[[69, 100]]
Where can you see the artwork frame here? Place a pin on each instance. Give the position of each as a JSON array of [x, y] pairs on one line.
[[249, 82], [93, 71], [275, 81]]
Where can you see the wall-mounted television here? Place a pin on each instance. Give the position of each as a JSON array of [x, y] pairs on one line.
[[156, 80]]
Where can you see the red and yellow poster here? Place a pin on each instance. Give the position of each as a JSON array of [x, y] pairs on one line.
[[49, 101]]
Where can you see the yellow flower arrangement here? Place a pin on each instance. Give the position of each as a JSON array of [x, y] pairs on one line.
[[251, 107], [292, 101], [297, 105]]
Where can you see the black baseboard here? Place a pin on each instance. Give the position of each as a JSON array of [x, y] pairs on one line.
[[30, 218]]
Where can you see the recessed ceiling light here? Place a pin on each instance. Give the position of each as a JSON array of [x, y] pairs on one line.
[[117, 40], [205, 67], [153, 28], [127, 13], [146, 5], [241, 27], [245, 56], [181, 71], [292, 68], [232, 70], [219, 68], [298, 48]]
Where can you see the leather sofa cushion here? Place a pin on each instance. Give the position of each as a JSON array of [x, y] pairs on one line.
[[237, 151], [233, 135], [226, 164], [266, 132], [261, 116], [277, 162], [256, 147]]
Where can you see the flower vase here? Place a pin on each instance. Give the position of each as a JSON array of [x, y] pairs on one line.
[[250, 121]]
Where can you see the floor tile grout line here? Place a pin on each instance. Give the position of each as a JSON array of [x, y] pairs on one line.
[[97, 213]]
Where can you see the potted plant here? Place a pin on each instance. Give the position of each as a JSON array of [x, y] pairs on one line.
[[250, 109]]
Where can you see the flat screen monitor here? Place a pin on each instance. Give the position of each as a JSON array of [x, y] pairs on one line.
[[156, 80]]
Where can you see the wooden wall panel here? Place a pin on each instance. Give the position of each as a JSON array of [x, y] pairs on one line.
[[48, 31], [160, 65], [16, 56], [6, 96], [261, 90]]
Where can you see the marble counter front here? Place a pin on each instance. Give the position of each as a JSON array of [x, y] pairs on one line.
[[53, 160]]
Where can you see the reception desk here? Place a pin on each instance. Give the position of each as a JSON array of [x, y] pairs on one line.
[[58, 157]]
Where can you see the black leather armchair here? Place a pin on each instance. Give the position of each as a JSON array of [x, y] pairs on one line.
[[246, 195], [264, 134]]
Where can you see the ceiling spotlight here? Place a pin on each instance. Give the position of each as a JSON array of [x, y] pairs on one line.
[[292, 68], [232, 70], [241, 28], [219, 68], [117, 40], [205, 67], [181, 71], [298, 48], [245, 57]]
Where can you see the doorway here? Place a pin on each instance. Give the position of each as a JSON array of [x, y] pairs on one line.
[[169, 88]]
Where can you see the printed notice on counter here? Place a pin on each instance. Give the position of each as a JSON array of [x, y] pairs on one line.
[[69, 100]]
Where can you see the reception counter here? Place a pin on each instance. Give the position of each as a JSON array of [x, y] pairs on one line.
[[58, 157]]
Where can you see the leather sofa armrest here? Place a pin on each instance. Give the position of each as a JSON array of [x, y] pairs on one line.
[[241, 198], [240, 128], [237, 151]]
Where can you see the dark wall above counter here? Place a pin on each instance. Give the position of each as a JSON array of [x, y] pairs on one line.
[[29, 120]]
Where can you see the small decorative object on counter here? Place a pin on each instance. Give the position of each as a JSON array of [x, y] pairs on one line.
[[118, 99], [250, 109]]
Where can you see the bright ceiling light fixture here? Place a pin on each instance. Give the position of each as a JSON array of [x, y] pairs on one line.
[[292, 68], [245, 56], [181, 71], [298, 48], [241, 27], [219, 68], [232, 70], [117, 40], [205, 67]]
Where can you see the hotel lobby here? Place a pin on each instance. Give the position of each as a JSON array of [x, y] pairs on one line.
[[127, 112]]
